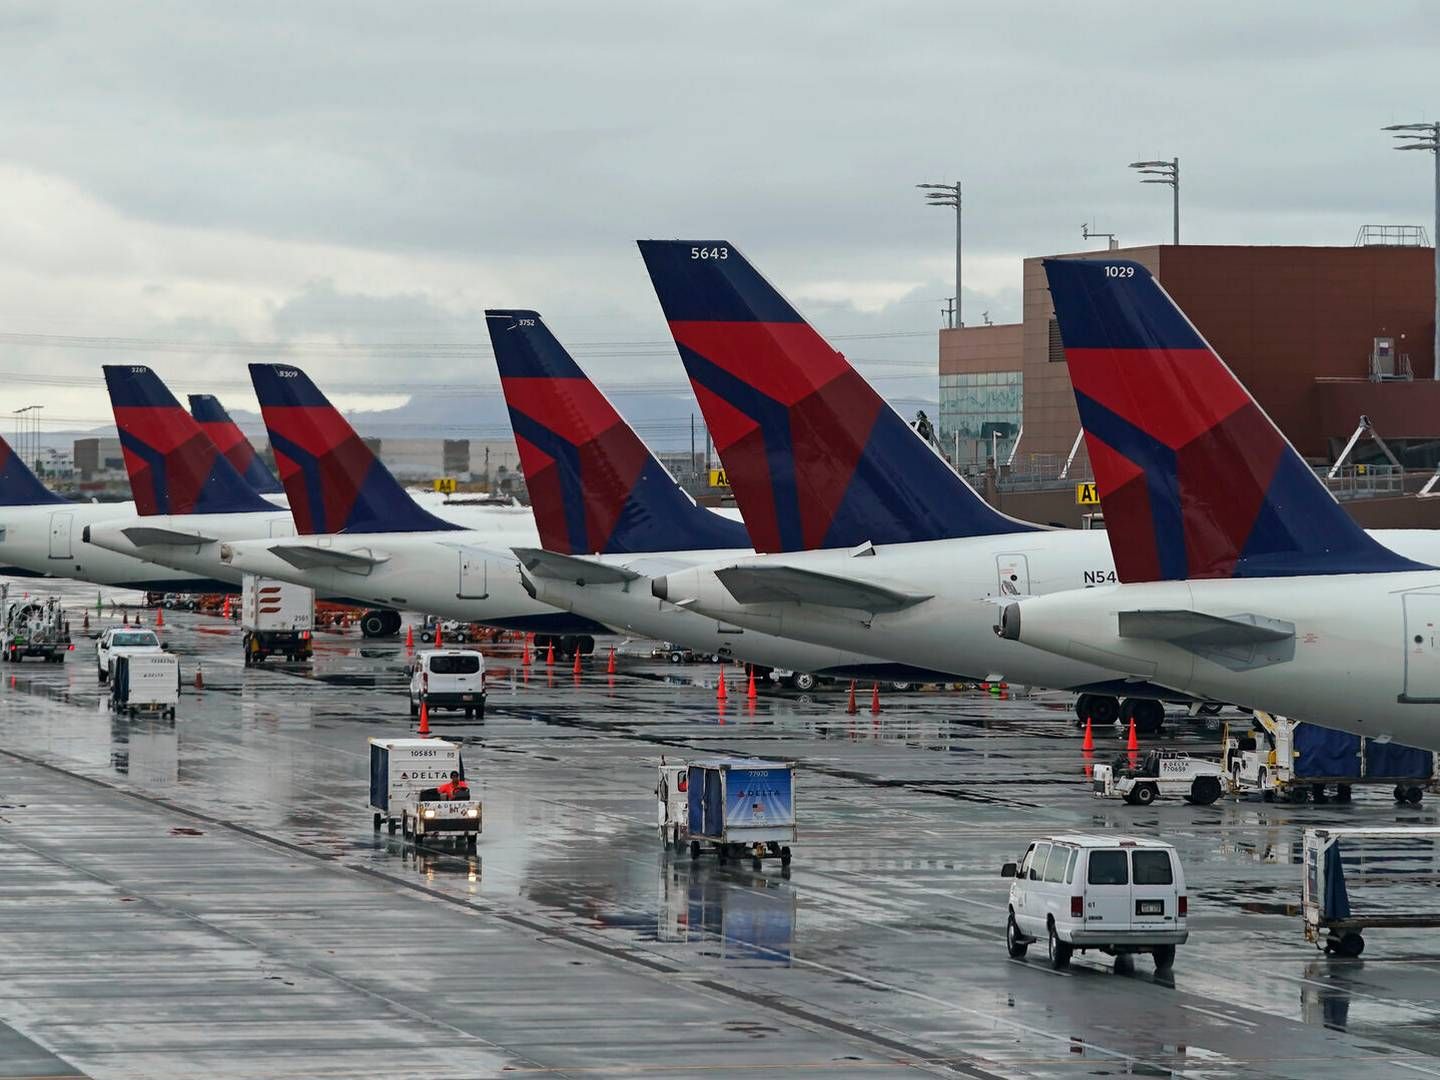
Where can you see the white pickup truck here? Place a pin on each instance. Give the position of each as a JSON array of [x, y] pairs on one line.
[[122, 640]]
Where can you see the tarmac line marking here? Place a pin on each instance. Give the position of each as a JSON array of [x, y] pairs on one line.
[[1219, 1015]]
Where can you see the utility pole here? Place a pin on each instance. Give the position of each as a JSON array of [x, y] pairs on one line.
[[1427, 137], [948, 195], [1166, 172]]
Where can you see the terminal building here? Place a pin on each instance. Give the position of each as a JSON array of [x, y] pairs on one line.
[[1322, 336]]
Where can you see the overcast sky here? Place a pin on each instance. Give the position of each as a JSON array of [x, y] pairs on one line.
[[343, 175]]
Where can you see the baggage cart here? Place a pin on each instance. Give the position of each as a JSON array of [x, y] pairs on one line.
[[404, 777], [740, 804]]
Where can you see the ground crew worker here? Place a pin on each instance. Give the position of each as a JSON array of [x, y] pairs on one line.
[[455, 788]]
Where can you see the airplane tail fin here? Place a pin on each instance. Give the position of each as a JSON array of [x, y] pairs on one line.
[[594, 485], [1195, 480], [174, 467], [334, 482], [231, 441], [815, 456], [18, 485]]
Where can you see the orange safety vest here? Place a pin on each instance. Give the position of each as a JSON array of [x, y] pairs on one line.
[[453, 789]]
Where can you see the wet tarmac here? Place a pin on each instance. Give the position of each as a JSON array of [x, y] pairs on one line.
[[206, 897]]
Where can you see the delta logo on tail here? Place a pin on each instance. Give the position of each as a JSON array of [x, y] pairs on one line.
[[1195, 480], [174, 467], [231, 441], [594, 486], [816, 457], [18, 485], [333, 481]]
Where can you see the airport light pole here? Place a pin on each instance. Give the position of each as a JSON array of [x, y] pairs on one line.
[[948, 195], [1426, 137], [27, 434], [1164, 172]]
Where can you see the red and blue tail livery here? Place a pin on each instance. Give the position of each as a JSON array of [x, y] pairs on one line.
[[18, 485], [332, 479], [595, 487], [1195, 480], [815, 456], [174, 467], [231, 441]]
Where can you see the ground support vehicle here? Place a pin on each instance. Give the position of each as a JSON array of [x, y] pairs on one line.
[[740, 804], [119, 641], [1282, 758], [1390, 858], [1118, 894], [33, 628], [278, 619], [145, 682], [672, 795], [404, 777], [448, 679], [1160, 773]]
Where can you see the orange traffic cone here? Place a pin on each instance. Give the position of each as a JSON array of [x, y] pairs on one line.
[[125, 618], [424, 728], [410, 638], [576, 668], [750, 690], [439, 636], [875, 700], [550, 654], [850, 705], [720, 692], [159, 616], [610, 667], [1131, 742], [525, 655], [199, 677], [1089, 743]]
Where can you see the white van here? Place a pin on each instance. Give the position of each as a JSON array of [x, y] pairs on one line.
[[448, 679], [1118, 894]]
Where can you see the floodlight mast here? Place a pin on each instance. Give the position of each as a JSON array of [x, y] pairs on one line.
[[1166, 172], [948, 196], [1426, 137]]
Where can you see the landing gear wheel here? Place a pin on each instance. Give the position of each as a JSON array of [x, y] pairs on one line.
[[1015, 945], [374, 624], [1082, 707], [1149, 715], [1059, 952], [1104, 709], [1164, 957]]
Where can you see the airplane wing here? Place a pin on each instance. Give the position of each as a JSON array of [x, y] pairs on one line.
[[314, 557], [768, 584], [550, 564], [1193, 629], [155, 536]]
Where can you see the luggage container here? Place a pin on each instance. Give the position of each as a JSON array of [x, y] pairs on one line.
[[1394, 872], [145, 682], [1284, 758], [404, 777], [740, 803]]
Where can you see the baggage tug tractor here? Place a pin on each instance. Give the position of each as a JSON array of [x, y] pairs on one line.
[[404, 776], [32, 628], [1160, 772]]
